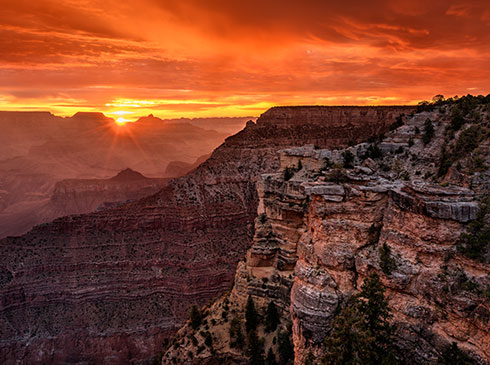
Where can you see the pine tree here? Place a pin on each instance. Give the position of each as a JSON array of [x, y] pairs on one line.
[[195, 317], [376, 311], [286, 349], [255, 349], [271, 317], [454, 355], [236, 335], [271, 358], [350, 340], [250, 315], [361, 332]]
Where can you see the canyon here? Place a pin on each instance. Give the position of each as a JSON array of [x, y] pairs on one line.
[[325, 224], [110, 286], [39, 149]]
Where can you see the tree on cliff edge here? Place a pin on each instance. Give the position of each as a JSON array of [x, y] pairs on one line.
[[195, 317], [250, 315], [271, 317], [361, 332]]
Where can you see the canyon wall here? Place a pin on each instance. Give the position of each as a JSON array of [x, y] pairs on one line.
[[109, 286], [322, 227]]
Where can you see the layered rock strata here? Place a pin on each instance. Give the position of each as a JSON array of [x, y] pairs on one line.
[[109, 286], [321, 228]]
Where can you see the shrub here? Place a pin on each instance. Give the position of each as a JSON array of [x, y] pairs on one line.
[[194, 340], [285, 347], [397, 123], [468, 140], [288, 173], [454, 355], [387, 262], [327, 163], [236, 335], [476, 242], [457, 119], [445, 162], [208, 340], [428, 132], [348, 157], [336, 175], [373, 152]]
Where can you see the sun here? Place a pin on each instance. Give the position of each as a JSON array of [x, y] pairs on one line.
[[122, 120]]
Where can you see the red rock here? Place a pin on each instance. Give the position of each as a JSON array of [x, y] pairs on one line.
[[107, 287]]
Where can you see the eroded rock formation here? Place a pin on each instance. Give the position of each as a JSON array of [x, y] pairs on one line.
[[109, 286], [321, 230]]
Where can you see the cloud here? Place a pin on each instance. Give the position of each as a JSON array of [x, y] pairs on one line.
[[236, 56]]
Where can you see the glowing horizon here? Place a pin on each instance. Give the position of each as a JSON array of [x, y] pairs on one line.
[[226, 58]]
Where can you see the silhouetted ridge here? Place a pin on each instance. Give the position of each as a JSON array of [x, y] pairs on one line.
[[128, 175]]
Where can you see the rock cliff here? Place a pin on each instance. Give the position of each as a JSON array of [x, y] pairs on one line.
[[329, 218], [110, 286], [77, 196]]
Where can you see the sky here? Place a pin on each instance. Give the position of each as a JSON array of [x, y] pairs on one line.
[[196, 58]]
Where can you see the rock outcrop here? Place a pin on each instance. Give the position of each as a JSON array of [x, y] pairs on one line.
[[321, 230], [109, 286], [78, 196]]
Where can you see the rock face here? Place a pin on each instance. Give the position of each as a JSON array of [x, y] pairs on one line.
[[109, 286], [77, 196], [319, 234]]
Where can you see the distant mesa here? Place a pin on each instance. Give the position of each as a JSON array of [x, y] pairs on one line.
[[92, 116], [128, 175]]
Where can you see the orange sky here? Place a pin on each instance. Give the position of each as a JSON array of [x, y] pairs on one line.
[[234, 58]]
